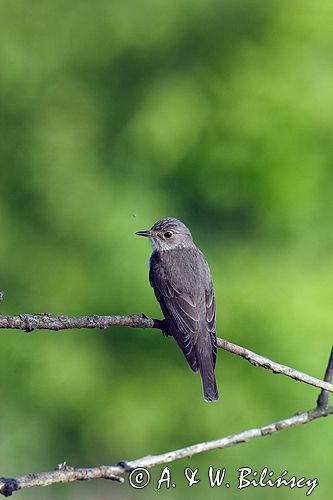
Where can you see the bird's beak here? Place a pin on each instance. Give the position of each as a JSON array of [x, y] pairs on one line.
[[144, 233]]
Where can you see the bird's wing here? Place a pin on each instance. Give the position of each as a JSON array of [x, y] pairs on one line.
[[180, 311], [211, 319]]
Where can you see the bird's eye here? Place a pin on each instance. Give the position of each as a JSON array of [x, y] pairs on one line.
[[168, 234]]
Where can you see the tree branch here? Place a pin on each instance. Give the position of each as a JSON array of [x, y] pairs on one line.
[[62, 474], [257, 360], [65, 474], [47, 321]]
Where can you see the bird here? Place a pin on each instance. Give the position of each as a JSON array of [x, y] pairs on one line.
[[181, 279]]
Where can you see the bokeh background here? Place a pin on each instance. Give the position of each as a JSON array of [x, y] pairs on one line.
[[114, 114]]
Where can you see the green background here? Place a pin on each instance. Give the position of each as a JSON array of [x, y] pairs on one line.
[[113, 115]]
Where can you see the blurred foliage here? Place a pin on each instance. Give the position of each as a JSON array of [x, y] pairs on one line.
[[114, 114]]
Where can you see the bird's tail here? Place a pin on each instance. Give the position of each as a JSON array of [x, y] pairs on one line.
[[208, 379]]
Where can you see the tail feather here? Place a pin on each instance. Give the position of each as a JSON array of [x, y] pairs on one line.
[[209, 386]]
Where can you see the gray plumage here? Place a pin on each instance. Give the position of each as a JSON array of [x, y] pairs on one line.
[[181, 279]]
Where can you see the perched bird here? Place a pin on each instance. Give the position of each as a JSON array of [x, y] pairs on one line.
[[182, 282]]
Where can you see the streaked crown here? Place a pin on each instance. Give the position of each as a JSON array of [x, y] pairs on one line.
[[168, 234], [171, 224]]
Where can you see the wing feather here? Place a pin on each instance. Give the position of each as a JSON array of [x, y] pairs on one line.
[[180, 311], [183, 306], [211, 319]]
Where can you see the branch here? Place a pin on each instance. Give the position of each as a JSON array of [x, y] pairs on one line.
[[62, 474], [65, 474], [257, 360], [47, 321], [226, 442]]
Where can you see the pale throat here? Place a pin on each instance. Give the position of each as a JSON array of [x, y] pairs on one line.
[[162, 245]]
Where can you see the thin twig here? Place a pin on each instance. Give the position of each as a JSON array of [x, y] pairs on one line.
[[322, 401], [47, 321], [62, 474], [66, 474], [232, 440], [257, 360]]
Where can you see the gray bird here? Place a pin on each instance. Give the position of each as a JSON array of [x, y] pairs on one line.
[[182, 282]]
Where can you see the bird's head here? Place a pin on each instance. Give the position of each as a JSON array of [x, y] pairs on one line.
[[168, 234]]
